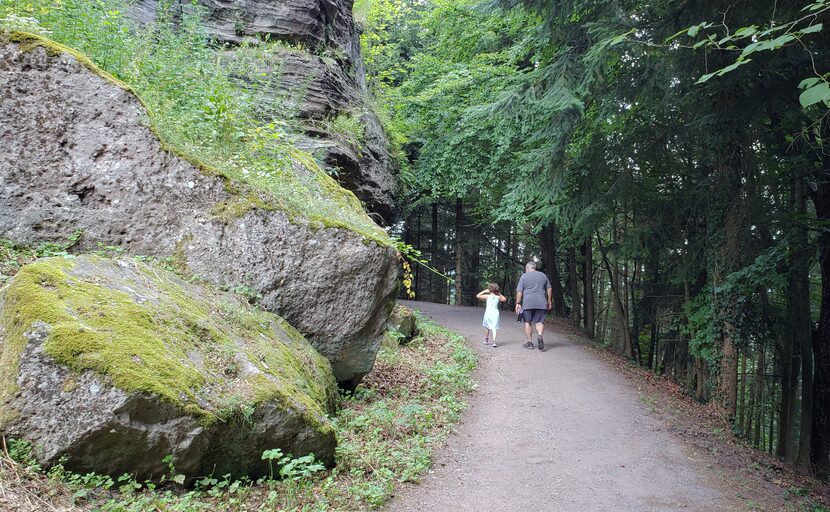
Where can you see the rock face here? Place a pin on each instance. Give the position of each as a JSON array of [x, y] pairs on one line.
[[114, 364], [328, 76], [74, 156]]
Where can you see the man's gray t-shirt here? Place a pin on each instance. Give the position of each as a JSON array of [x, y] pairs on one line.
[[534, 286]]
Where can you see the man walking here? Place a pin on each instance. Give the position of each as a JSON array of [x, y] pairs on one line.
[[534, 297]]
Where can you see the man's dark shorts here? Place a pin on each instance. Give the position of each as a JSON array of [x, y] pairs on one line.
[[533, 316]]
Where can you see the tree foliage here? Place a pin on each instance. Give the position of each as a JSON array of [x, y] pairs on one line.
[[684, 144]]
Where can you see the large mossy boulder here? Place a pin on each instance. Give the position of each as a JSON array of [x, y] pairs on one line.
[[114, 364], [76, 156]]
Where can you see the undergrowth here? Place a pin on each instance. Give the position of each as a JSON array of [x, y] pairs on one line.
[[387, 430], [196, 107]]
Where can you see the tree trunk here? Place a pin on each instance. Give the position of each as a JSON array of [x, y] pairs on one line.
[[771, 429], [772, 398], [417, 268], [820, 434], [798, 294], [667, 365], [459, 252], [436, 285], [472, 262], [725, 215], [620, 313], [605, 309], [728, 376], [787, 402], [650, 301], [798, 314], [588, 286], [635, 308], [508, 265], [742, 376], [750, 410], [760, 369], [550, 265], [576, 303], [652, 345]]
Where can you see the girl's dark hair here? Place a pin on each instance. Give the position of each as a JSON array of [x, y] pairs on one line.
[[493, 288]]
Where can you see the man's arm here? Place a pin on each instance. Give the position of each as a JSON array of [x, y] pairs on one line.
[[520, 286], [550, 298]]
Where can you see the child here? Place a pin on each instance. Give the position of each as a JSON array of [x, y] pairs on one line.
[[491, 314]]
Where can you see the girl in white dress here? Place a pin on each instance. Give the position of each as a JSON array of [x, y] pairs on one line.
[[491, 314]]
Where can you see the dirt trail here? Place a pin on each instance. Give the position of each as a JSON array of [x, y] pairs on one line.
[[555, 430]]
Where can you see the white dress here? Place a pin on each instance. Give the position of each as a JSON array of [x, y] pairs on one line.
[[491, 314]]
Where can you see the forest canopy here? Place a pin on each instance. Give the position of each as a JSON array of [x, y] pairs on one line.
[[667, 163]]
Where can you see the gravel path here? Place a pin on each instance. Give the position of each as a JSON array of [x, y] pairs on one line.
[[555, 430]]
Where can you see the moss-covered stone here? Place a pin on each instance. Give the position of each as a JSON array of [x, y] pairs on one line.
[[403, 322], [208, 354], [140, 326]]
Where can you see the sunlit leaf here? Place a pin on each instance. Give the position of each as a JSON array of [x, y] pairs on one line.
[[815, 94], [813, 29], [746, 31], [809, 82]]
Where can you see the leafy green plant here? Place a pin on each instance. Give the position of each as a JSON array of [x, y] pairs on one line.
[[752, 39], [171, 471], [408, 253], [349, 127], [21, 452]]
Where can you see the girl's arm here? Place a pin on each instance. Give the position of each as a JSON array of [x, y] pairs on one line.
[[502, 298], [482, 295]]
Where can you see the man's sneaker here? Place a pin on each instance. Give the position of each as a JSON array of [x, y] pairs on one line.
[[541, 343], [529, 345]]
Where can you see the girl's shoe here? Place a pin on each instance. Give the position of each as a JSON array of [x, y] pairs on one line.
[[486, 341], [494, 344]]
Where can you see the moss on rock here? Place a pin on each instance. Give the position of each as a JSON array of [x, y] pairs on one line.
[[146, 330]]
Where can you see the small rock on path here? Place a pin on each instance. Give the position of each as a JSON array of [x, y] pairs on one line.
[[557, 430]]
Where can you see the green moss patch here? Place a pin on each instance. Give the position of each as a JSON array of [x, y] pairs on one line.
[[27, 41], [147, 330]]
